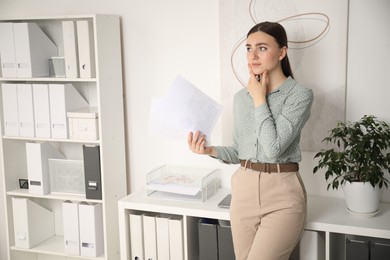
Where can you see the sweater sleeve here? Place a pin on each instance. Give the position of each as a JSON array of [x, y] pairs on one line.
[[276, 135]]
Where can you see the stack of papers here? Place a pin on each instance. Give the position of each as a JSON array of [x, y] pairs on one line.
[[182, 182], [182, 110], [177, 183]]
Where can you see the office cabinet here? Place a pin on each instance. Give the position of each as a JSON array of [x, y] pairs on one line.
[[327, 226], [100, 87]]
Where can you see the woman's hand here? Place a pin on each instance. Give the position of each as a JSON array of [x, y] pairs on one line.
[[257, 89], [197, 142]]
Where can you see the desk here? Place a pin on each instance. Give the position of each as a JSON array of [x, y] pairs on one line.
[[325, 215]]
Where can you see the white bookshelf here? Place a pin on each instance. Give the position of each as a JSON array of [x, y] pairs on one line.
[[328, 216], [104, 91]]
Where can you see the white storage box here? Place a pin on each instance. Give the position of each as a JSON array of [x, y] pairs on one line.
[[67, 176], [83, 124], [186, 183]]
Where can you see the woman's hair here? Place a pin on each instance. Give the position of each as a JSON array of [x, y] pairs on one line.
[[279, 33]]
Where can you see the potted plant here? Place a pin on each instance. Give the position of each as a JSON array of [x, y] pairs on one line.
[[359, 157]]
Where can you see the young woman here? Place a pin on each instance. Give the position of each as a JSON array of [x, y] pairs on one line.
[[268, 207]]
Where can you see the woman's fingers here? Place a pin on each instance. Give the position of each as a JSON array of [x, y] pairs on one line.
[[251, 73], [196, 142], [264, 77]]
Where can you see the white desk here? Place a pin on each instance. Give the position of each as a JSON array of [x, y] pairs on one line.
[[326, 215]]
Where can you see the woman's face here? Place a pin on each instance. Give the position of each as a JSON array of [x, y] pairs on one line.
[[263, 52]]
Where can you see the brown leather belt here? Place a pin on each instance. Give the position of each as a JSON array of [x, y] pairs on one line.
[[270, 167]]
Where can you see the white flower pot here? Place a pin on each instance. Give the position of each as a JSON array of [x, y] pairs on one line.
[[361, 198]]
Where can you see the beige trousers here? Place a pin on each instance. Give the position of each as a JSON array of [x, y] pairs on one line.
[[267, 213]]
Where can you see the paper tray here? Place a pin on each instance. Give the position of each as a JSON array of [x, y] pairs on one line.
[[185, 183]]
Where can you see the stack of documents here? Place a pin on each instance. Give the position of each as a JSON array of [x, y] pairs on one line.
[[182, 182], [183, 109]]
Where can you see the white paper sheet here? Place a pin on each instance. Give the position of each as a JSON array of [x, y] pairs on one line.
[[183, 109]]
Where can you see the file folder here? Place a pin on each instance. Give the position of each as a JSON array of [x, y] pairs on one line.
[[150, 237], [33, 49], [225, 243], [38, 155], [311, 246], [379, 250], [70, 49], [92, 172], [10, 109], [63, 98], [176, 239], [208, 239], [7, 50], [91, 229], [162, 231], [85, 40], [136, 237], [26, 110], [41, 110], [356, 249], [32, 223], [70, 213]]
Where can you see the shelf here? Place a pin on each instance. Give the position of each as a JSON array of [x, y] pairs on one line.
[[51, 140], [48, 79], [54, 17], [100, 91], [72, 197], [331, 215], [328, 216], [52, 246], [208, 209]]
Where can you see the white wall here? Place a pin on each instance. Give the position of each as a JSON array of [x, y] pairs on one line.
[[164, 38]]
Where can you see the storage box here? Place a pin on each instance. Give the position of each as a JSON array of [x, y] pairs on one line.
[[185, 183], [67, 176], [83, 124]]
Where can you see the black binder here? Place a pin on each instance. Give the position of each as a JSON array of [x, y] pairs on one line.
[[208, 240], [225, 243], [93, 185], [357, 249], [380, 250]]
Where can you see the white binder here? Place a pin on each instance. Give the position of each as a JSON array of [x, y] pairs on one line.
[[41, 110], [150, 237], [162, 231], [26, 110], [91, 229], [70, 213], [63, 98], [37, 155], [311, 246], [33, 50], [176, 239], [70, 49], [10, 109], [86, 49], [7, 50], [136, 236], [32, 222]]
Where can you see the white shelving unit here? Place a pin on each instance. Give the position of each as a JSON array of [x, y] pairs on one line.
[[105, 91], [328, 216]]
